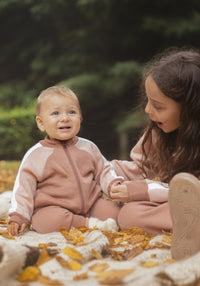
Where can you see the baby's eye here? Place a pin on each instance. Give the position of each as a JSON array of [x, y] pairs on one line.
[[55, 113], [72, 112]]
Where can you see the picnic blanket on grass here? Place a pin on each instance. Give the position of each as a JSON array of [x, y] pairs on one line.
[[84, 256]]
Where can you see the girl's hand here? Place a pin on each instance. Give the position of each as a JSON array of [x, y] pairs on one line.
[[119, 192], [14, 228]]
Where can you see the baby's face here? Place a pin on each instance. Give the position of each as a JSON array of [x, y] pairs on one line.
[[60, 117]]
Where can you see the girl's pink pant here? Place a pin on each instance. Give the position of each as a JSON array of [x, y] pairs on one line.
[[151, 217]]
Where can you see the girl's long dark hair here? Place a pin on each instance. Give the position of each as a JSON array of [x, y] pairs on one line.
[[177, 74]]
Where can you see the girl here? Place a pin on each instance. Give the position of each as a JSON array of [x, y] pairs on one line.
[[170, 145]]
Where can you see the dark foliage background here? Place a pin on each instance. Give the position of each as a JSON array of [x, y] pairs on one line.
[[97, 48]]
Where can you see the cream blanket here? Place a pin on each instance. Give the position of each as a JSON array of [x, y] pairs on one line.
[[97, 265]]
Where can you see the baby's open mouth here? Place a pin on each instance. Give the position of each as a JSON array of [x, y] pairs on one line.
[[65, 127]]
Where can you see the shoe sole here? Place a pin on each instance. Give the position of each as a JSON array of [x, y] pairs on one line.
[[184, 206]]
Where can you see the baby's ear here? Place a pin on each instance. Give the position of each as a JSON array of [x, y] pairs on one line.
[[40, 123]]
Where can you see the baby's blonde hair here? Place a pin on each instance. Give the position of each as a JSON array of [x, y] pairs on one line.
[[56, 90]]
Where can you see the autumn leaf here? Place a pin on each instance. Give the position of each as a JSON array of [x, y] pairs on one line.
[[158, 244], [112, 281], [74, 236], [43, 257], [149, 264], [130, 254], [167, 233], [30, 273], [47, 281], [96, 254], [49, 244], [99, 267], [81, 276], [62, 261], [2, 221], [73, 253], [74, 265], [170, 260], [112, 274], [6, 234], [167, 239]]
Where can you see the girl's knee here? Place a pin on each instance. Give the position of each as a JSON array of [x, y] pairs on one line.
[[128, 216], [104, 209]]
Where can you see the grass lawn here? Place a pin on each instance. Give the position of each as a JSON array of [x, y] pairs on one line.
[[8, 172]]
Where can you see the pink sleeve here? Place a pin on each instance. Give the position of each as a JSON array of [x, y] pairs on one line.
[[130, 169], [158, 192], [104, 173], [137, 190]]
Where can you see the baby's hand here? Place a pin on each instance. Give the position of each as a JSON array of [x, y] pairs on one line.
[[14, 228], [119, 192]]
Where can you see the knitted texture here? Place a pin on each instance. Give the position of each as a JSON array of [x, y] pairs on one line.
[[109, 224], [150, 267]]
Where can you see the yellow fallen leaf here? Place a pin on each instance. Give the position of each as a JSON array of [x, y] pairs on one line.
[[153, 256], [170, 260], [158, 244], [137, 238], [43, 257], [167, 239], [74, 236], [6, 234], [73, 253], [62, 261], [99, 267], [49, 244], [149, 264], [112, 281], [30, 273], [2, 221], [167, 233], [81, 276], [111, 274], [47, 281], [96, 254], [74, 265]]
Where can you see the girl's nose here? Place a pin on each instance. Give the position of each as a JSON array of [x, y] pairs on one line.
[[147, 108]]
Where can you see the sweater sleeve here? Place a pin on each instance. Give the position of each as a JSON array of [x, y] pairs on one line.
[[104, 172], [108, 177], [22, 201], [158, 191], [139, 188]]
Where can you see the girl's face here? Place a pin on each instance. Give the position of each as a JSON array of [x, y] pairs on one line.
[[59, 117], [163, 110]]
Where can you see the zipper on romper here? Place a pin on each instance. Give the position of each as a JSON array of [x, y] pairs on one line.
[[76, 176]]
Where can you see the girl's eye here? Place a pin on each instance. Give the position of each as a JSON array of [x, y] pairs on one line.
[[156, 107]]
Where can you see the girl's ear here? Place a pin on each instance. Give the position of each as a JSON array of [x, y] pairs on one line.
[[40, 123]]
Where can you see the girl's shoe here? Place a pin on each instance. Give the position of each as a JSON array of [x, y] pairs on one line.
[[184, 206]]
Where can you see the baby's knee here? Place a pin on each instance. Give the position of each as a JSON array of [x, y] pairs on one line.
[[50, 219]]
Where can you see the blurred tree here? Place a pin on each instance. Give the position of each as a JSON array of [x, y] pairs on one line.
[[96, 47]]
